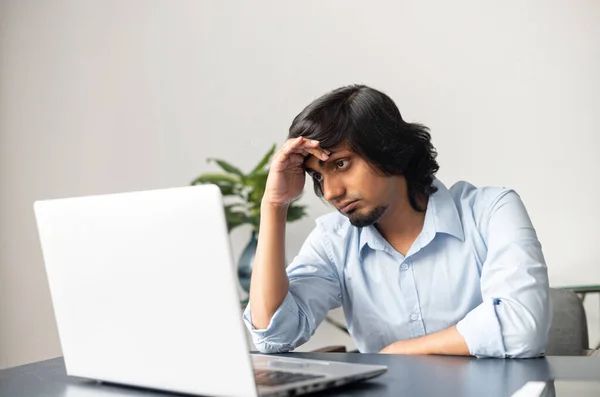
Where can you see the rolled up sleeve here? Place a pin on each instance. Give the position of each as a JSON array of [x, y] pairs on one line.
[[314, 289], [513, 321]]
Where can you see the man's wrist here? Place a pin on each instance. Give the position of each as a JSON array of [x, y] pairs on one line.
[[408, 346], [273, 209]]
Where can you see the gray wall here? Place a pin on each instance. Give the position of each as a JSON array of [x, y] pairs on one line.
[[108, 96]]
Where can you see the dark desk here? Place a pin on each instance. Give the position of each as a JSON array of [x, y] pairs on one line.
[[407, 376]]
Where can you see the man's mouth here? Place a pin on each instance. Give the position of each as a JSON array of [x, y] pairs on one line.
[[347, 207]]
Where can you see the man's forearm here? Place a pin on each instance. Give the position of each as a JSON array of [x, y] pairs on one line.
[[447, 342], [269, 284]]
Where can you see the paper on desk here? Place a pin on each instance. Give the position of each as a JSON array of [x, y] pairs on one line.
[[530, 389]]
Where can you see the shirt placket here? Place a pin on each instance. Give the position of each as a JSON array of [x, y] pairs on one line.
[[408, 287]]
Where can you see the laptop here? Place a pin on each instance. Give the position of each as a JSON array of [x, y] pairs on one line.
[[145, 293]]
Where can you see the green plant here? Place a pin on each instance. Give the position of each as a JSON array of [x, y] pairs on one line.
[[243, 192]]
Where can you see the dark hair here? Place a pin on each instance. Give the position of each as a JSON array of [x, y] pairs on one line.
[[371, 124]]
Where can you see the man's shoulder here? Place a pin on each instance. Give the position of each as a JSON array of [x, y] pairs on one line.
[[334, 222], [478, 198]]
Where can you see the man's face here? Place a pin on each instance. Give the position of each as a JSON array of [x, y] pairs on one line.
[[350, 184]]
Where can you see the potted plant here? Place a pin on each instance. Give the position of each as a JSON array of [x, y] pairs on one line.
[[242, 195]]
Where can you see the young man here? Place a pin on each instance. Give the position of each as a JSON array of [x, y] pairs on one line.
[[417, 267]]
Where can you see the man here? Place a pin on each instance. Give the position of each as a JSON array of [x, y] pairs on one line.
[[417, 267]]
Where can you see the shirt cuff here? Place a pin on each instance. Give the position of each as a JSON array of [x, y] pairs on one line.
[[481, 331], [282, 332]]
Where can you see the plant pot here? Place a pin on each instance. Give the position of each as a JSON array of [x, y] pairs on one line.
[[245, 262]]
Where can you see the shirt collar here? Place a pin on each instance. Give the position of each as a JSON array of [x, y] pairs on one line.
[[445, 213], [441, 216]]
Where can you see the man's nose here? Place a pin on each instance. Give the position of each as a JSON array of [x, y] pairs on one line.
[[332, 189]]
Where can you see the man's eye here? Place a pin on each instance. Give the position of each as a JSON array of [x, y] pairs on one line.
[[341, 164]]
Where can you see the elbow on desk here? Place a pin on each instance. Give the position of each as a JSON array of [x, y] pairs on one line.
[[527, 341], [525, 326], [269, 348], [527, 346], [282, 335], [279, 342]]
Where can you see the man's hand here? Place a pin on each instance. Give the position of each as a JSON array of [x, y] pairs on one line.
[[399, 347], [286, 174], [448, 342]]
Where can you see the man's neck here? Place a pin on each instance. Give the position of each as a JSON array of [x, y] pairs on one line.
[[401, 226]]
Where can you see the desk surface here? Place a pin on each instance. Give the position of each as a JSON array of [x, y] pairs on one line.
[[406, 376]]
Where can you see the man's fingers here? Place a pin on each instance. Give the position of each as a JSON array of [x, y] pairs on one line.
[[291, 145], [316, 145], [305, 147], [313, 147], [320, 154]]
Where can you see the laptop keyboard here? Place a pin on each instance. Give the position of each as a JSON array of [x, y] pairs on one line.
[[265, 377]]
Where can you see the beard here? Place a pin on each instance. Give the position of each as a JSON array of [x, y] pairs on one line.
[[362, 220]]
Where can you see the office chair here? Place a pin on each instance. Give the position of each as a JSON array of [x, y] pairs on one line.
[[569, 331]]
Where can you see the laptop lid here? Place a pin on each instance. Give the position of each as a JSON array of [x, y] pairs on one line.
[[144, 290]]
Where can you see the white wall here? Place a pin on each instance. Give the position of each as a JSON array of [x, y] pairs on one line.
[[108, 96]]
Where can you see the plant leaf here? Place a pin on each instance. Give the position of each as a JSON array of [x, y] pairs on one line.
[[215, 178], [257, 184], [265, 160], [296, 212], [235, 217], [228, 167], [228, 184]]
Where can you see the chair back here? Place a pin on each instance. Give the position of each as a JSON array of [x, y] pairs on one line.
[[569, 331]]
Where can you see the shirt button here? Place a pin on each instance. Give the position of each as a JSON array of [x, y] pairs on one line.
[[414, 317], [404, 266], [376, 241]]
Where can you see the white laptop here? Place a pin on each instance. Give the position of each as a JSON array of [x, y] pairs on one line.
[[144, 290]]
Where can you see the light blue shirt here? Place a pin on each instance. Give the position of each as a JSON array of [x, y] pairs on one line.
[[476, 264]]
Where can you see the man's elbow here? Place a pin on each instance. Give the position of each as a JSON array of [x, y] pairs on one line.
[[260, 322], [270, 348], [527, 342]]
